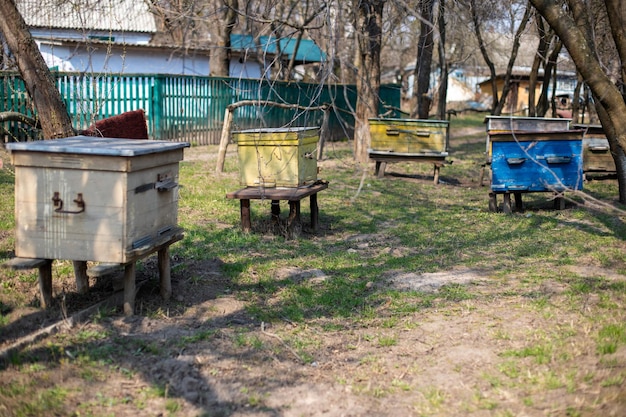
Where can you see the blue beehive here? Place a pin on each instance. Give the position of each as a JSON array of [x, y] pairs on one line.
[[536, 161]]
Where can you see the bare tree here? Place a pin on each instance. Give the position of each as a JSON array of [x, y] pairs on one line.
[[227, 20], [548, 50], [423, 64], [573, 25], [51, 111], [476, 20], [443, 63], [509, 69], [368, 26], [52, 115]]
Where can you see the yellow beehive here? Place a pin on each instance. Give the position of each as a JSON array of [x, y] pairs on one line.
[[597, 157], [277, 157], [409, 136]]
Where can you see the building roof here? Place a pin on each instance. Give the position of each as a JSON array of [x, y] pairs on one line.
[[105, 15], [308, 52]]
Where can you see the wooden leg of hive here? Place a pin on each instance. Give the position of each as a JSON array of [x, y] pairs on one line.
[[294, 212], [519, 205], [246, 223], [165, 272], [293, 221], [493, 202], [381, 169], [436, 174], [82, 279], [559, 202], [45, 284], [129, 289], [506, 205], [275, 211], [314, 212]]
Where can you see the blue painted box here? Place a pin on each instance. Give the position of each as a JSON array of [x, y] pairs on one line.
[[536, 161]]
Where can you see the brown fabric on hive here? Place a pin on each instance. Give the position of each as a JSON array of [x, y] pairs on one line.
[[128, 125]]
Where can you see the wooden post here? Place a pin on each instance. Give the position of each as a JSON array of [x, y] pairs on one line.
[[82, 280], [129, 289], [314, 212], [519, 204], [294, 212], [45, 284], [246, 223], [506, 205], [224, 139], [324, 132], [163, 260], [380, 169], [275, 211]]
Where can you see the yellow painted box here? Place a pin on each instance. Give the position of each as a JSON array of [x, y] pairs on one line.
[[409, 136], [277, 157], [94, 199], [597, 157]]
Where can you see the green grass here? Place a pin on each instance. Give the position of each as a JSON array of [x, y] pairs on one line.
[[531, 262]]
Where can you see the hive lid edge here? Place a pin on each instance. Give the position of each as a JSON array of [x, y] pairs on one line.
[[87, 145]]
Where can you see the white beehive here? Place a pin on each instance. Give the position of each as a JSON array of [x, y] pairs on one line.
[[94, 199]]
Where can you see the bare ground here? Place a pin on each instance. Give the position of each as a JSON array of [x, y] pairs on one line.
[[206, 352]]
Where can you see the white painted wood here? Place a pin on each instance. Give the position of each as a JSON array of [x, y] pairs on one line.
[[123, 207]]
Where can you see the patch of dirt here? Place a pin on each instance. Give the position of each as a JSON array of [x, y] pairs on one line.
[[244, 367], [431, 282], [204, 353]]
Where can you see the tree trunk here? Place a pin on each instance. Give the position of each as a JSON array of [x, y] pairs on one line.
[[424, 60], [220, 56], [545, 36], [369, 36], [608, 98], [53, 117], [443, 64], [549, 72], [618, 153], [485, 54], [506, 86], [576, 100], [51, 111], [617, 20]]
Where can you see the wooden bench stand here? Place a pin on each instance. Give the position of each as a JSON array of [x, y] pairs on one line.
[[508, 208], [382, 158], [293, 195], [45, 275], [160, 245]]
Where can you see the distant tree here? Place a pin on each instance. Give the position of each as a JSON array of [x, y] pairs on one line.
[[423, 66], [443, 63], [494, 17], [368, 24], [226, 12], [548, 51]]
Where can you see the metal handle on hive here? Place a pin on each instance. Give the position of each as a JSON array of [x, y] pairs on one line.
[[58, 203]]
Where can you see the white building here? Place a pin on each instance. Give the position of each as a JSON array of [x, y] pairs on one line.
[[114, 37]]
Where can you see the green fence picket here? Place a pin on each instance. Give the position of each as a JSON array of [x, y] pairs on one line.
[[189, 108]]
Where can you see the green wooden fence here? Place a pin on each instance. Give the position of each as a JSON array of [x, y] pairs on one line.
[[189, 108]]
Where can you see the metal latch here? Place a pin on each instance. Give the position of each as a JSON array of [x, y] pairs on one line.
[[58, 203], [165, 182]]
